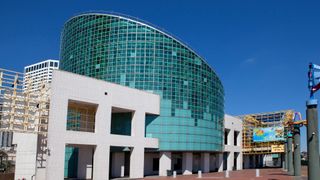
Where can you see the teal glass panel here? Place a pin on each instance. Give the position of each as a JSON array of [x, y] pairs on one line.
[[71, 162]]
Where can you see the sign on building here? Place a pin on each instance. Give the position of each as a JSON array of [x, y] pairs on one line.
[[268, 134], [277, 148]]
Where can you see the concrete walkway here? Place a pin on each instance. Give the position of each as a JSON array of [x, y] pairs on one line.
[[247, 174]]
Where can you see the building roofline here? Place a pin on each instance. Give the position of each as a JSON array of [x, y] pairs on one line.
[[145, 23], [48, 60], [264, 113], [106, 82]]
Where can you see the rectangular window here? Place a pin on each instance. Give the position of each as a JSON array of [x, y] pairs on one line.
[[81, 116], [226, 136], [121, 120], [174, 53], [236, 134]]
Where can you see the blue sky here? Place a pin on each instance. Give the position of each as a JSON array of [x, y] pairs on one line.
[[260, 49]]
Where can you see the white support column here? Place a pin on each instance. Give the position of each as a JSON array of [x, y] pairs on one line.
[[205, 162], [26, 155], [85, 162], [231, 137], [220, 162], [164, 163], [137, 162], [240, 161], [56, 135], [117, 163], [101, 162], [138, 124], [230, 161], [55, 161], [187, 163]]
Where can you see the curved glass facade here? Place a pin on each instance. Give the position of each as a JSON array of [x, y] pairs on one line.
[[131, 53]]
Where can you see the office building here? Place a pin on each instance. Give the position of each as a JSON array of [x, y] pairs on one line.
[[40, 73]]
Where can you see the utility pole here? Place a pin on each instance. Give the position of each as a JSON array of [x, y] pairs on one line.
[[297, 149], [290, 159], [312, 121]]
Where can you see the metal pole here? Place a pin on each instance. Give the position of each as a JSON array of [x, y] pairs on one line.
[[290, 159], [297, 149], [285, 167], [313, 140], [287, 154]]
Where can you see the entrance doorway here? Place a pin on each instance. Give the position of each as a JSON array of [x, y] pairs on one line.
[[119, 164]]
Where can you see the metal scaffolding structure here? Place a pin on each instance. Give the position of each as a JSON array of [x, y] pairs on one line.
[[21, 108], [264, 120]]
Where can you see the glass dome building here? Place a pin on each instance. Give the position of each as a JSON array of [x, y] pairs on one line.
[[133, 53]]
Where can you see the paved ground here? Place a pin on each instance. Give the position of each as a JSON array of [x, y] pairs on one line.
[[6, 176], [248, 174]]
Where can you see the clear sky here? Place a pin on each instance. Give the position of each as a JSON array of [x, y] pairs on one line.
[[260, 49]]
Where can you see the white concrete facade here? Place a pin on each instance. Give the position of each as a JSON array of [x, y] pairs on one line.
[[67, 86], [233, 147], [26, 154]]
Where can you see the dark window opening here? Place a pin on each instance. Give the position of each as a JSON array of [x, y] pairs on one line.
[[155, 164], [121, 120], [236, 134]]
